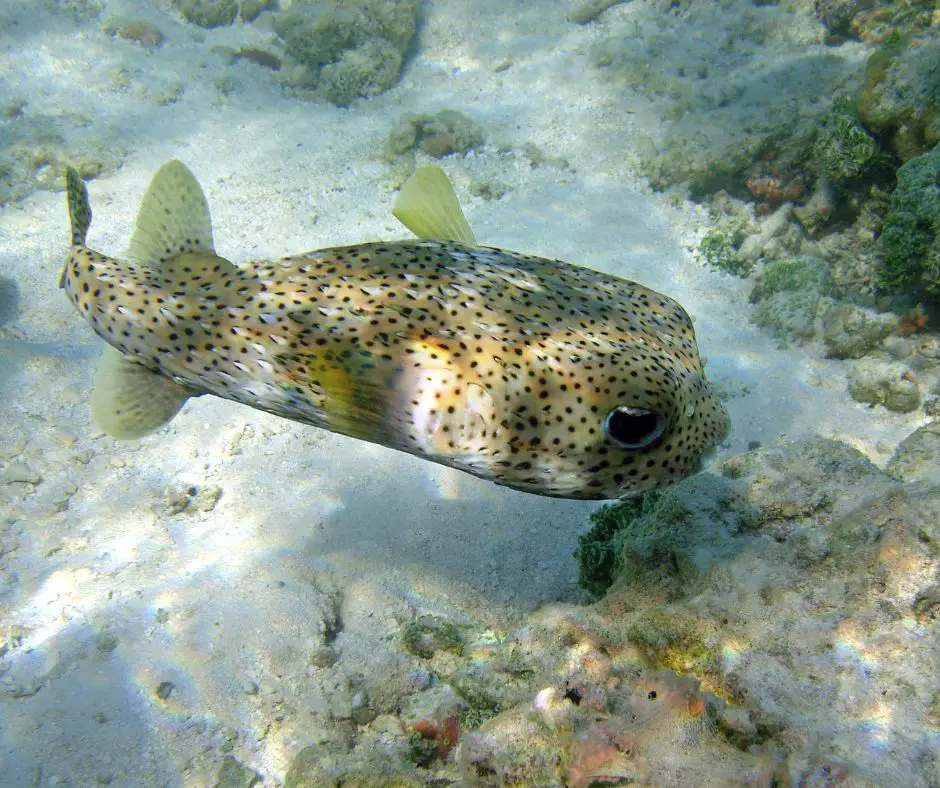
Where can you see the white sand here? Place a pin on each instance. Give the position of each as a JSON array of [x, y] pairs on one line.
[[339, 522]]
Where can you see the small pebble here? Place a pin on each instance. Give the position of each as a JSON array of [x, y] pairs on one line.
[[19, 472], [13, 108], [589, 10], [388, 723], [420, 679], [323, 657], [106, 642], [65, 438], [259, 57], [147, 35], [206, 498], [176, 501]]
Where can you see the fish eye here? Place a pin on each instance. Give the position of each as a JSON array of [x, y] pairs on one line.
[[634, 428]]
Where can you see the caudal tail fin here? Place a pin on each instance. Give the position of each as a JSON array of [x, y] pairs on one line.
[[79, 213], [79, 208]]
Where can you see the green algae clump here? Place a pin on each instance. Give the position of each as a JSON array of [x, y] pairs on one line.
[[720, 250], [208, 13], [843, 149], [449, 131], [901, 97], [671, 640], [430, 634], [794, 274], [911, 233], [347, 50], [600, 550]]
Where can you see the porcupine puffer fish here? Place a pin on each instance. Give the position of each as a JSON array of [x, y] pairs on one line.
[[536, 374]]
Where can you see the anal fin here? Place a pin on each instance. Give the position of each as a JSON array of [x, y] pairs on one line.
[[131, 401]]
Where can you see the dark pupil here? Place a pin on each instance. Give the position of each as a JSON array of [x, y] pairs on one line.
[[632, 427]]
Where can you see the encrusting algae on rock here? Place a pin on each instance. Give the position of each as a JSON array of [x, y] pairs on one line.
[[536, 374]]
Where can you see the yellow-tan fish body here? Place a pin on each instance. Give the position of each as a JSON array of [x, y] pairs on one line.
[[537, 374]]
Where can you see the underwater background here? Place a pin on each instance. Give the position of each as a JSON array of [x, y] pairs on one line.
[[239, 600]]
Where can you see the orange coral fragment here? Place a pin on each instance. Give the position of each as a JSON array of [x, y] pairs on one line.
[[912, 321], [774, 188]]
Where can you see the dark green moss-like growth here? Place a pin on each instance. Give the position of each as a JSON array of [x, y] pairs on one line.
[[208, 13], [600, 552], [720, 250], [911, 234], [843, 149]]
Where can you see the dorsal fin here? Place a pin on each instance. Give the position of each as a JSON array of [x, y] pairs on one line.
[[76, 193], [428, 206], [129, 400], [79, 209], [173, 218]]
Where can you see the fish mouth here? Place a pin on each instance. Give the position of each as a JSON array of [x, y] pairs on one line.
[[726, 431], [707, 458]]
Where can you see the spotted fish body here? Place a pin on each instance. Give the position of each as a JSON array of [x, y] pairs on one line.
[[534, 373]]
